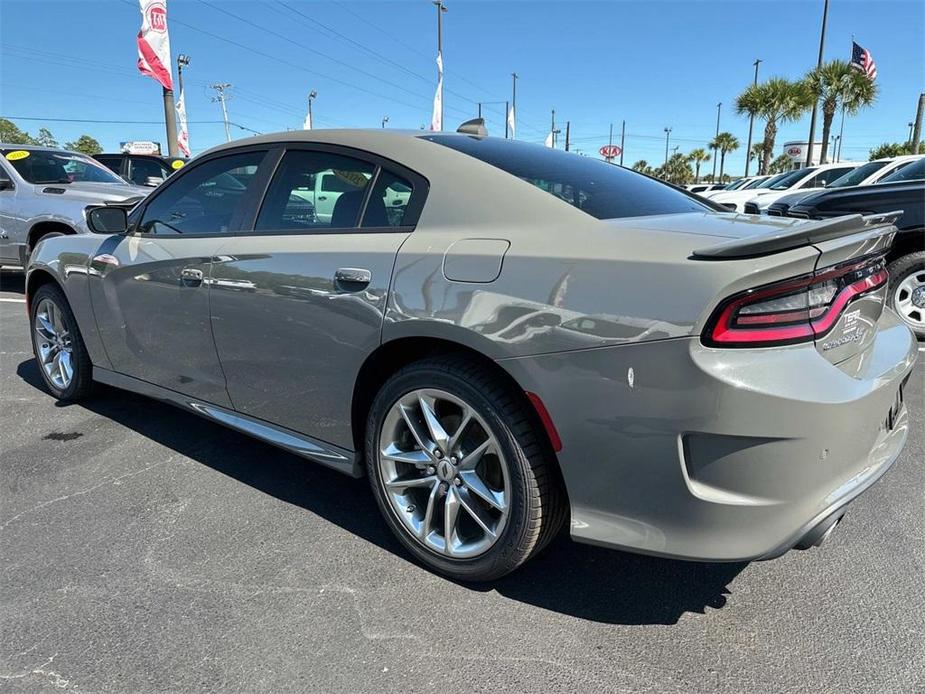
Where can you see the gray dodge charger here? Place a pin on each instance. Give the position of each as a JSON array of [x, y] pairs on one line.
[[502, 337]]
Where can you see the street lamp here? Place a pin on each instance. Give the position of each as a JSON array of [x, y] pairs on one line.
[[667, 137], [311, 97], [385, 119]]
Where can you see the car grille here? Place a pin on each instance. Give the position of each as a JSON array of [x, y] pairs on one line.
[[777, 211], [751, 208], [798, 215]]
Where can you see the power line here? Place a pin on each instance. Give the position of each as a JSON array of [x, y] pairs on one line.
[[97, 121]]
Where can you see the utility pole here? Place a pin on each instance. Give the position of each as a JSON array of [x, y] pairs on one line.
[[221, 97], [751, 124], [911, 125], [507, 125], [622, 137], [514, 101], [480, 109], [441, 8], [917, 128], [812, 119], [385, 119], [568, 125], [552, 129], [170, 120], [719, 107], [667, 138]]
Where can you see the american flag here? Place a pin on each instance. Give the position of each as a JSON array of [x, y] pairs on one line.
[[863, 61]]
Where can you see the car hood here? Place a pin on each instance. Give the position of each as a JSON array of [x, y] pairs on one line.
[[793, 198], [775, 195], [741, 195], [721, 225], [92, 192]]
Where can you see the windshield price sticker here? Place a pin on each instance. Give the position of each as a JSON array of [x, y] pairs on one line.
[[18, 154]]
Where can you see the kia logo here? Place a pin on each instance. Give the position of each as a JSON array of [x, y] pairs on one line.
[[793, 151]]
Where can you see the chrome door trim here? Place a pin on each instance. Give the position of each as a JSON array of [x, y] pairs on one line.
[[322, 452]]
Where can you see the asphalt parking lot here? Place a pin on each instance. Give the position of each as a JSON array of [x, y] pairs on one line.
[[145, 550]]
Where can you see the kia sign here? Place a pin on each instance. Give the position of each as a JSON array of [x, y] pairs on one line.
[[610, 151]]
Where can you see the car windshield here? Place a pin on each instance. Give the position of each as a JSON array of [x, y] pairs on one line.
[[602, 190], [768, 182], [735, 185], [48, 166], [755, 184], [912, 172], [789, 178], [855, 177]]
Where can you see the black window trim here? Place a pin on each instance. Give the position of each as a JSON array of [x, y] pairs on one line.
[[420, 187]]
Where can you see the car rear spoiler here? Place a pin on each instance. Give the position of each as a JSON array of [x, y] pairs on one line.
[[801, 234]]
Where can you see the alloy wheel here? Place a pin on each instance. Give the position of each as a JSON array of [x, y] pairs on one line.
[[54, 346], [909, 298], [444, 474]]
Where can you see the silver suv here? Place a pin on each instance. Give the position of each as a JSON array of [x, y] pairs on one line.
[[43, 193]]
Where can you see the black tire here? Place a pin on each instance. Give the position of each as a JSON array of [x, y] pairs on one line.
[[899, 270], [82, 380], [537, 507]]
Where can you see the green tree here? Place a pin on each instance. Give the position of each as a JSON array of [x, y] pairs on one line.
[[84, 144], [676, 170], [781, 164], [642, 166], [755, 154], [837, 84], [697, 157], [894, 149], [45, 138], [12, 135], [725, 143], [775, 101]]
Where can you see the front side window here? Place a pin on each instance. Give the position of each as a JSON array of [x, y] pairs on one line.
[[208, 199], [825, 177], [113, 163], [856, 176], [788, 180], [595, 187], [46, 166], [315, 190]]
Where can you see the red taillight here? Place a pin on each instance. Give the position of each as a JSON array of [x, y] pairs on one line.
[[795, 310]]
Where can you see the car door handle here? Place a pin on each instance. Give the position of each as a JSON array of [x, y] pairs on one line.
[[191, 277], [322, 197], [353, 277]]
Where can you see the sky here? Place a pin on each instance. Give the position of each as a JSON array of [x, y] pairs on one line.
[[653, 64]]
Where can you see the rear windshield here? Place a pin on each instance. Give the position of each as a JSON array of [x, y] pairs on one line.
[[911, 172], [602, 190]]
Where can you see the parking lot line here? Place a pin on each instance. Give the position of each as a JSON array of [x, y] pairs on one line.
[[12, 301]]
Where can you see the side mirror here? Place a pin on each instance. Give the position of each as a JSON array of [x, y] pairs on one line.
[[107, 220], [730, 206], [153, 181]]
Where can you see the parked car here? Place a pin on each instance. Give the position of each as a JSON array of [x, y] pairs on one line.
[[813, 179], [902, 190], [585, 344], [735, 200], [705, 187], [141, 169], [43, 193], [866, 174]]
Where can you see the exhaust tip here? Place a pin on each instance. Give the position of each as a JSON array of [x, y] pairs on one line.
[[820, 533]]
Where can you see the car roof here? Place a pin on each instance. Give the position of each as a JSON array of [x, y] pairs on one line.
[[36, 148]]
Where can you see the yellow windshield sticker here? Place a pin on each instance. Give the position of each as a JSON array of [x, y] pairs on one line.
[[18, 154], [177, 164], [354, 178]]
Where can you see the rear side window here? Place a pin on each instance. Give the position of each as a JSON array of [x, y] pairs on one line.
[[388, 201], [208, 199], [113, 163], [602, 190]]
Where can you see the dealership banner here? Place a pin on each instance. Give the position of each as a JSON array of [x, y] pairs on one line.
[[154, 42], [182, 129], [436, 121]]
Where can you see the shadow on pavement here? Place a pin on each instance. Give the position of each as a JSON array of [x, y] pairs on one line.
[[579, 580], [13, 281]]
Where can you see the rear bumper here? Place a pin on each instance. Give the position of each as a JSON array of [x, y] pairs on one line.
[[719, 455]]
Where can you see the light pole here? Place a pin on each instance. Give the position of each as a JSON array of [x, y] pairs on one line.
[[622, 139], [667, 137], [441, 8], [385, 119], [513, 104], [911, 125], [719, 107], [751, 124], [222, 98], [311, 119], [812, 118]]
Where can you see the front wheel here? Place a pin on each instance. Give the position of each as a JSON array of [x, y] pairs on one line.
[[907, 290], [459, 471], [58, 346]]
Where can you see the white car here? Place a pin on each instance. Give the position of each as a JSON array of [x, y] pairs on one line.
[[741, 184], [809, 177], [867, 174], [814, 179], [735, 199]]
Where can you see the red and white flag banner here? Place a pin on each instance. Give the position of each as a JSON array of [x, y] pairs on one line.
[[154, 42], [183, 128]]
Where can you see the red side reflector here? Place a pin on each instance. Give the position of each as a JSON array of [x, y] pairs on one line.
[[548, 425]]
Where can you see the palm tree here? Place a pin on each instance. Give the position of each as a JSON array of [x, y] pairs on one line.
[[642, 166], [755, 153], [838, 84], [724, 142], [698, 156], [781, 164], [776, 101]]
